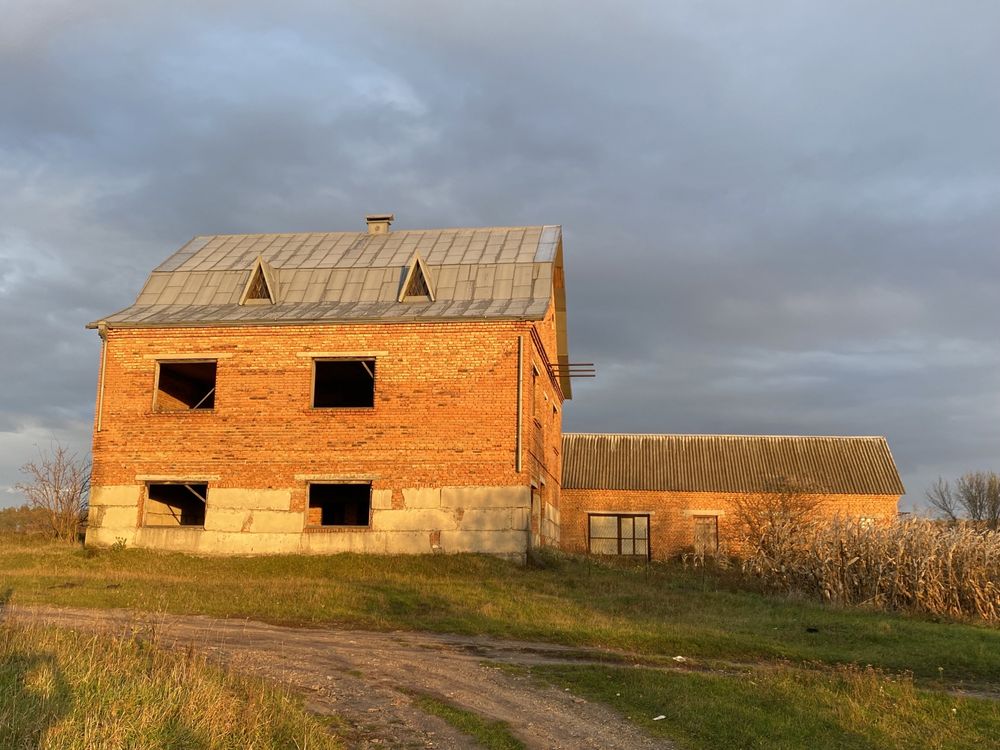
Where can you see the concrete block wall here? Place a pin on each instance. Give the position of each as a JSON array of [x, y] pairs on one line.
[[449, 519], [439, 447], [671, 514]]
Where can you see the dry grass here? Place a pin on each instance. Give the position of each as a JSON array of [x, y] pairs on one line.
[[65, 691], [914, 565]]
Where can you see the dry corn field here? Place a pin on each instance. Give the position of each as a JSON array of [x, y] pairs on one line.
[[914, 565]]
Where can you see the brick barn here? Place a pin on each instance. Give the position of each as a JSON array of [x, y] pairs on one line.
[[399, 392], [660, 495], [379, 391]]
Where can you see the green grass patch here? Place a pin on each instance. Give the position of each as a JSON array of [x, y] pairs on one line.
[[847, 708], [492, 735], [60, 690], [660, 610]]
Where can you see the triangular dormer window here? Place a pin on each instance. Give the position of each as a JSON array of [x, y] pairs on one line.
[[416, 286], [262, 286]]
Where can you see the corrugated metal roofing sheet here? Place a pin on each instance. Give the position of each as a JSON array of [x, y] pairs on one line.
[[729, 463]]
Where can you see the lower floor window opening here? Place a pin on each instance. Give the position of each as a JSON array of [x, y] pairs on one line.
[[618, 534], [176, 504], [340, 504]]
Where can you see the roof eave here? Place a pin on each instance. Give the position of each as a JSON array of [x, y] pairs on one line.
[[311, 321]]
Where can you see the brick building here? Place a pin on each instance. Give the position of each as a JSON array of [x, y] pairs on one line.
[[379, 391], [400, 392], [660, 495]]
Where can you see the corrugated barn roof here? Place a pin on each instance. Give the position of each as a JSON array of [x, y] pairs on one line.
[[729, 463]]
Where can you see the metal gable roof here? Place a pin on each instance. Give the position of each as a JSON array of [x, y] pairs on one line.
[[491, 272], [728, 463]]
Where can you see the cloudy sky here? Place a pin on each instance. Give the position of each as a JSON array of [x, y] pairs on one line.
[[779, 217]]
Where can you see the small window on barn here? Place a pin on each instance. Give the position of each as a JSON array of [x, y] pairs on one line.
[[706, 535], [340, 504], [343, 383], [618, 534], [176, 504], [185, 386]]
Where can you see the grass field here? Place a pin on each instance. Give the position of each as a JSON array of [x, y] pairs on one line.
[[64, 691], [761, 666], [661, 610], [847, 708]]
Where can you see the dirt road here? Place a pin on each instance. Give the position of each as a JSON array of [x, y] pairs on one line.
[[363, 677]]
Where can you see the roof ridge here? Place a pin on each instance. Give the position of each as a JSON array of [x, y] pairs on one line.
[[364, 232]]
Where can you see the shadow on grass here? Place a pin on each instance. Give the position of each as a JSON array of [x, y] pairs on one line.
[[34, 695]]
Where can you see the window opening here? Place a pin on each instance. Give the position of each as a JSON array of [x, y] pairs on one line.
[[534, 391], [416, 285], [340, 504], [618, 534], [262, 284], [706, 535], [258, 286], [185, 386], [343, 383], [176, 504]]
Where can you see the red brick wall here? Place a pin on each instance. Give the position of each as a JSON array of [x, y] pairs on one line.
[[671, 520], [542, 413], [445, 407]]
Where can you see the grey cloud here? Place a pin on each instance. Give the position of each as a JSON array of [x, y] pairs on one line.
[[779, 221]]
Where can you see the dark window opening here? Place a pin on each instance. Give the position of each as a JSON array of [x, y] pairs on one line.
[[340, 504], [258, 288], [344, 383], [706, 535], [618, 534], [183, 386], [176, 504], [418, 286], [416, 283]]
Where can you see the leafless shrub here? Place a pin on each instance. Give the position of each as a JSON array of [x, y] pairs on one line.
[[976, 497], [916, 565], [57, 486], [771, 520]]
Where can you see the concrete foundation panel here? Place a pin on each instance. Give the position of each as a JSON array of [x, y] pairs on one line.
[[489, 519], [485, 497], [127, 494], [490, 542], [382, 499], [114, 516], [422, 497], [413, 520], [242, 499]]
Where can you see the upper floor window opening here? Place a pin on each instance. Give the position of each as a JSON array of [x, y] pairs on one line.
[[185, 386], [343, 383]]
